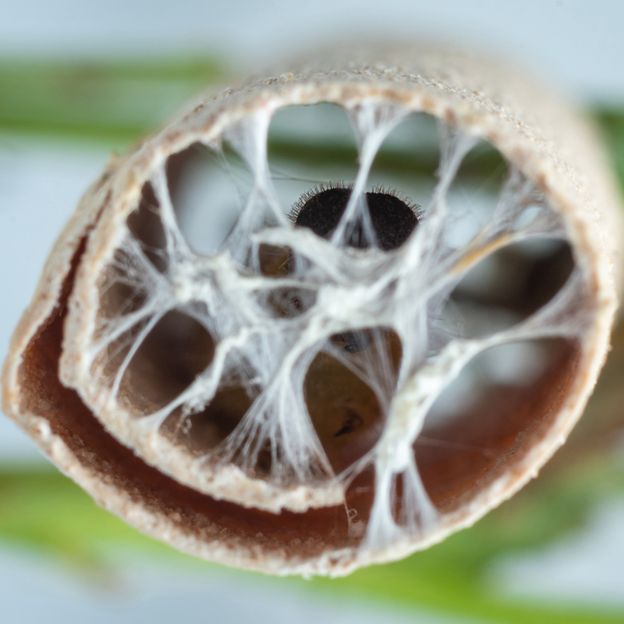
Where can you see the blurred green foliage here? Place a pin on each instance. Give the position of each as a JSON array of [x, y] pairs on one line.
[[41, 509], [114, 103]]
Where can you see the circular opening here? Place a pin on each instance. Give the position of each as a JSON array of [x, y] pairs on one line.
[[324, 331]]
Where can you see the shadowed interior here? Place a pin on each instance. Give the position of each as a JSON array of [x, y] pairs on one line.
[[459, 456], [298, 536], [456, 457], [510, 425]]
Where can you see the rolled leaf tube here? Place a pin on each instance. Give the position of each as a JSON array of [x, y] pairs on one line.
[[328, 317]]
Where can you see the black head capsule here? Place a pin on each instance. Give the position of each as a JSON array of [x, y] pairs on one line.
[[392, 219]]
